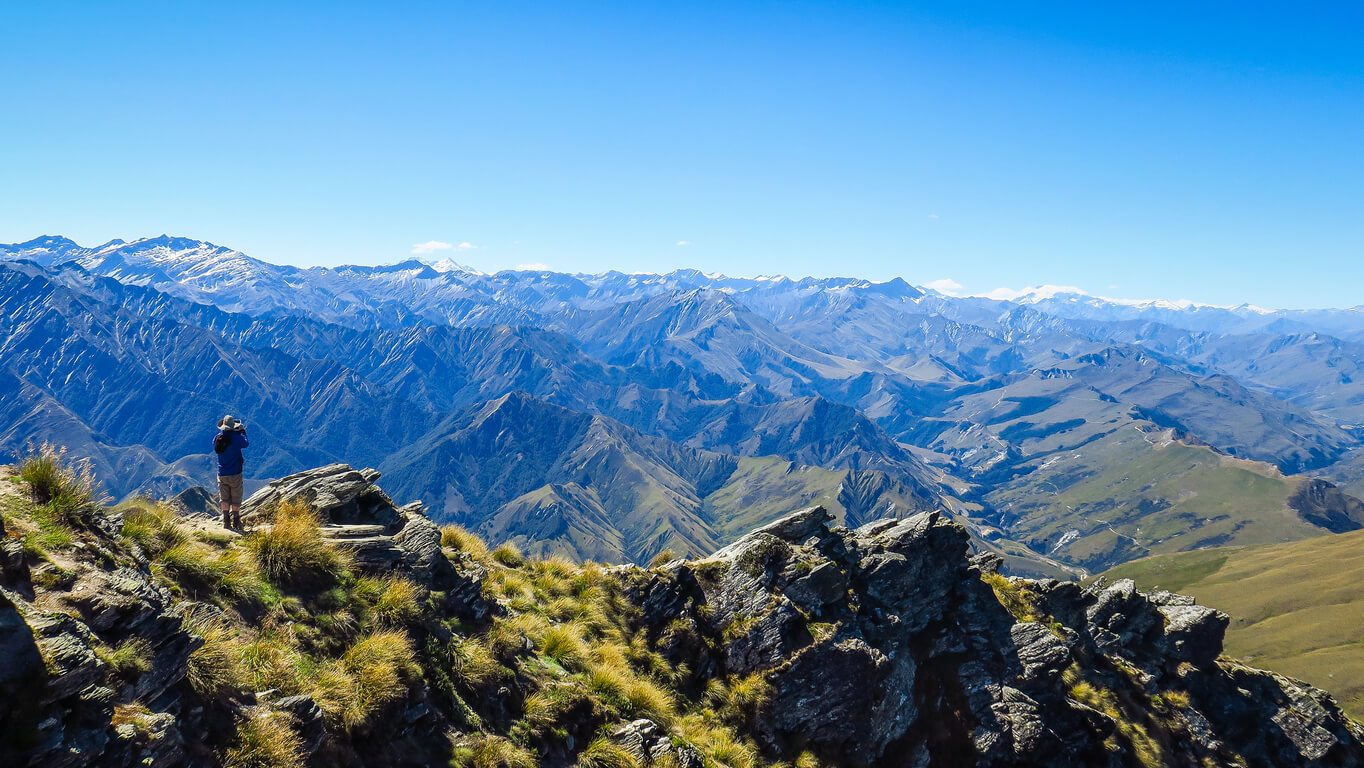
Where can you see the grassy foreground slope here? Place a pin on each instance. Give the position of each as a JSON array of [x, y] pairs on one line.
[[1296, 608]]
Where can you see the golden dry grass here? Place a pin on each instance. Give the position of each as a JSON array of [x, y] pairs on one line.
[[292, 552], [265, 740]]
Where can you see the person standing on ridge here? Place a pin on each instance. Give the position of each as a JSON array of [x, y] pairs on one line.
[[228, 444]]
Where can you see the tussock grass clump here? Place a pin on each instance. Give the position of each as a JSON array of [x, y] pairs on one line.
[[214, 669], [461, 539], [474, 665], [265, 739], [489, 751], [153, 527], [207, 573], [1016, 598], [716, 743], [393, 600], [269, 661], [608, 682], [134, 714], [1129, 720], [548, 710], [645, 698], [1176, 699], [130, 660], [509, 555], [369, 675], [602, 753], [67, 486], [742, 700], [564, 643], [292, 552]]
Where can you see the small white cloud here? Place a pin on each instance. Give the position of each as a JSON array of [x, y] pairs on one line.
[[946, 286], [466, 246], [536, 267], [1004, 294], [431, 246], [683, 242], [932, 215]]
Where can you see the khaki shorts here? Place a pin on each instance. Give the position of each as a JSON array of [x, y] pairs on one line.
[[230, 490]]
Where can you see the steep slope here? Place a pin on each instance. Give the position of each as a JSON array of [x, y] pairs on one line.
[[150, 379], [705, 331], [1215, 409], [408, 646], [554, 480], [1295, 608], [1348, 473], [1075, 473], [474, 463]]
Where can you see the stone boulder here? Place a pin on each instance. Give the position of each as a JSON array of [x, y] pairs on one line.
[[648, 743]]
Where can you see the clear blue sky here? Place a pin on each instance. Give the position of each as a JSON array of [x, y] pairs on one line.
[[1210, 151]]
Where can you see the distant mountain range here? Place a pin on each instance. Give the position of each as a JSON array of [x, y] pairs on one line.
[[615, 415]]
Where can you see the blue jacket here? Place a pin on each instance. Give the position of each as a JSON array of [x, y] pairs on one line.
[[230, 460]]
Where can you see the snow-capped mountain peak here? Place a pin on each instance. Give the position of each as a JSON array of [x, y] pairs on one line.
[[448, 264]]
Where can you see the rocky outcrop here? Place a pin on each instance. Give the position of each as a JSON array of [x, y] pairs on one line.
[[196, 500], [647, 742], [55, 638], [882, 646], [358, 516], [886, 645]]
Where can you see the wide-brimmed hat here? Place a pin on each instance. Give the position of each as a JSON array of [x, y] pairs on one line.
[[229, 423]]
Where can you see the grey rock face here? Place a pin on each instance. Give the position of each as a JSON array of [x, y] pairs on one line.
[[1039, 650], [342, 495], [647, 741], [22, 678], [886, 646]]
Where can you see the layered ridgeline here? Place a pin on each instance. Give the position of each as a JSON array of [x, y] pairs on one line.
[[675, 411], [346, 630]]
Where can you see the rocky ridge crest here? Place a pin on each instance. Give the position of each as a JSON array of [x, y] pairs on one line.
[[886, 645]]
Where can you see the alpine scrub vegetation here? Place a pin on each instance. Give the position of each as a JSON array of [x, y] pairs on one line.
[[561, 660], [359, 633], [576, 646], [67, 488], [291, 550]]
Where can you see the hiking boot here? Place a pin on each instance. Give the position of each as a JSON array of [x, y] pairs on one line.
[[237, 523]]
